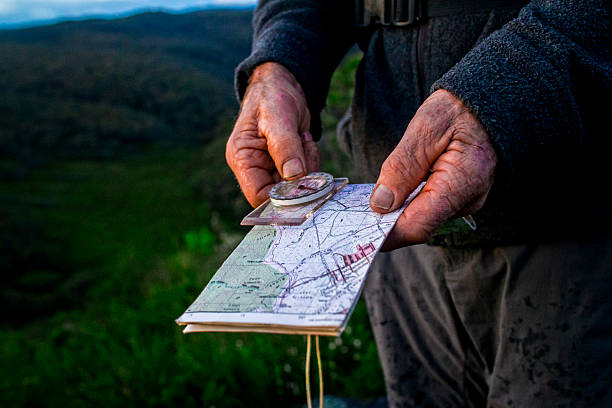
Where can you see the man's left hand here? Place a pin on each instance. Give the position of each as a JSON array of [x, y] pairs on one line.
[[446, 141]]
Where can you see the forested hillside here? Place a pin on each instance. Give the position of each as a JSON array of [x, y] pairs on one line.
[[92, 88]]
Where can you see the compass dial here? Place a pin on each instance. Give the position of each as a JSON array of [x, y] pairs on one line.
[[303, 190]]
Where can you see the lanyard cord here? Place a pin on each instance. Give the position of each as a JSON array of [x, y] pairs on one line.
[[308, 398], [320, 373], [308, 347]]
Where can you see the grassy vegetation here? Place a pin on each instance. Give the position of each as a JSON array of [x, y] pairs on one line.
[[98, 259]]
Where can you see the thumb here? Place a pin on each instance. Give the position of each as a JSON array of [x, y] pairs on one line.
[[399, 176], [281, 130]]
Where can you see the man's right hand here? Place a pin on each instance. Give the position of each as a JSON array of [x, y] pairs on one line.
[[271, 138]]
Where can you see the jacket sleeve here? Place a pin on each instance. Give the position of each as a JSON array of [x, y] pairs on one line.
[[532, 83], [309, 38]]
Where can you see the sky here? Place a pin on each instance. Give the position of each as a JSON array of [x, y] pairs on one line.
[[15, 13]]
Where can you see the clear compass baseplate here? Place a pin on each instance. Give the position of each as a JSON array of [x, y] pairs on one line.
[[292, 202]]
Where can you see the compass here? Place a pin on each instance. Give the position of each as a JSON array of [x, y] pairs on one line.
[[303, 190], [294, 201]]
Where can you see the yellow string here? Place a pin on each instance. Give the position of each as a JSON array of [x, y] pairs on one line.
[[308, 396], [320, 373], [308, 400]]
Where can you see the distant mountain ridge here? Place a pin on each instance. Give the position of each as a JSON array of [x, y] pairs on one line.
[[88, 88], [24, 19]]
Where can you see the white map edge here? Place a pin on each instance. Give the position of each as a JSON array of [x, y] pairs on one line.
[[262, 318]]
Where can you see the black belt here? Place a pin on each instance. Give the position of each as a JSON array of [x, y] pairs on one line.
[[411, 12]]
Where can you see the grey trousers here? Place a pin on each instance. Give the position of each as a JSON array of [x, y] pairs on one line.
[[518, 326]]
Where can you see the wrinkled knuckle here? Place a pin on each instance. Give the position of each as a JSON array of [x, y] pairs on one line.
[[447, 207], [405, 151], [395, 166], [469, 129], [423, 124], [230, 150], [460, 191], [433, 121]]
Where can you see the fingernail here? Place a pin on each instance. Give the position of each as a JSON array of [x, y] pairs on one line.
[[292, 168], [382, 197], [307, 137]]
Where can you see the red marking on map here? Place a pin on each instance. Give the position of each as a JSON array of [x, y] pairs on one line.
[[362, 252]]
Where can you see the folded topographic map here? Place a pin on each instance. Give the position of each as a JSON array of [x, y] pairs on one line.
[[303, 279]]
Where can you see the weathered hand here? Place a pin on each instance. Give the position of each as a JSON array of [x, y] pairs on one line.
[[271, 138], [446, 139]]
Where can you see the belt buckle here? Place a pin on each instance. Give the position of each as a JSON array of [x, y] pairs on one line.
[[398, 13], [407, 12]]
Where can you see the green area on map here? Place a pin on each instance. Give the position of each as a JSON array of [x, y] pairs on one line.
[[244, 283]]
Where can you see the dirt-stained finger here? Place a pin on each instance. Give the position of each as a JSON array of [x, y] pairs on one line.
[[284, 143]]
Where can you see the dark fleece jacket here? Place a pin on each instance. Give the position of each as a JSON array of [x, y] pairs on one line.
[[538, 78]]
